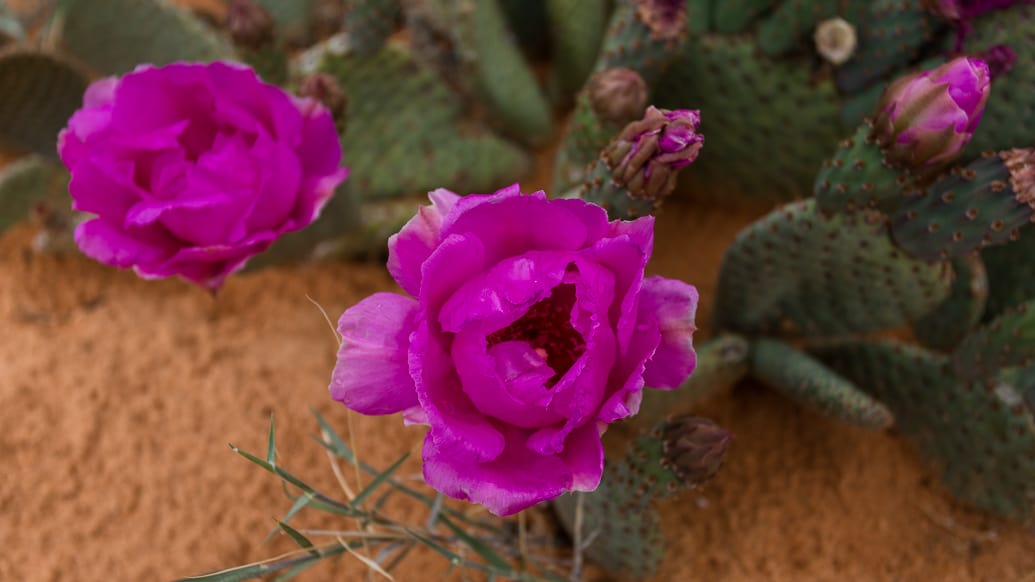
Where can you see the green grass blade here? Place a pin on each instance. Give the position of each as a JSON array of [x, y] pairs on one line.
[[299, 539], [271, 452], [381, 478], [479, 547]]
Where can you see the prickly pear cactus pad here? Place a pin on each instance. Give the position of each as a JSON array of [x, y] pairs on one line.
[[973, 207], [806, 380], [39, 94], [26, 185], [676, 454], [1008, 120], [769, 124], [796, 272], [1007, 341], [979, 433], [406, 133], [114, 36], [858, 177], [1011, 273], [944, 327]]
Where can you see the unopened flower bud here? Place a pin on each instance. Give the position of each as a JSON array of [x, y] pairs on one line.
[[617, 95], [325, 89], [925, 119], [647, 155], [694, 447], [250, 24]]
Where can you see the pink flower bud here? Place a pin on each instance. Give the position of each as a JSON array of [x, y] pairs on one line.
[[648, 153], [926, 119]]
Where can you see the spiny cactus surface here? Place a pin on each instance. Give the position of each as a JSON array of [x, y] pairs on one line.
[[114, 36], [798, 376], [971, 208], [406, 133], [39, 93], [769, 124], [979, 432], [796, 272], [943, 328], [675, 455]]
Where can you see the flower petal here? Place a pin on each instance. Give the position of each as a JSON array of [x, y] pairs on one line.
[[414, 243], [449, 412], [515, 480], [372, 375], [671, 305]]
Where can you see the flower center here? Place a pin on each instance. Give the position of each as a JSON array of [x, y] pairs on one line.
[[547, 327]]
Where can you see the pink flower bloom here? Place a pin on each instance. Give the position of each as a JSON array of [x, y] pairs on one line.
[[927, 118], [191, 169], [532, 328]]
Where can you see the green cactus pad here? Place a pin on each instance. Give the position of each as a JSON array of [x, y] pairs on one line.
[[1007, 341], [114, 36], [1011, 273], [631, 43], [1008, 120], [891, 35], [722, 361], [698, 16], [968, 209], [620, 514], [587, 135], [28, 183], [369, 23], [577, 29], [270, 63], [730, 16], [768, 125], [619, 203], [945, 327], [791, 23], [805, 380], [40, 92], [858, 177], [406, 134], [980, 435], [495, 69], [530, 23], [796, 272], [856, 108], [293, 17]]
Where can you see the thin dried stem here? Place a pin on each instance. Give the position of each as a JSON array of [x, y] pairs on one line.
[[577, 543]]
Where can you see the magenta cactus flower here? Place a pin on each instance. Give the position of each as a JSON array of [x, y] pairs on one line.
[[647, 154], [926, 118], [531, 327], [190, 169]]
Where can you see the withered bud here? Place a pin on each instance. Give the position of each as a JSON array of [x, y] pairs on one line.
[[835, 40], [1021, 164], [325, 89], [250, 24], [666, 19], [617, 95], [693, 447]]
